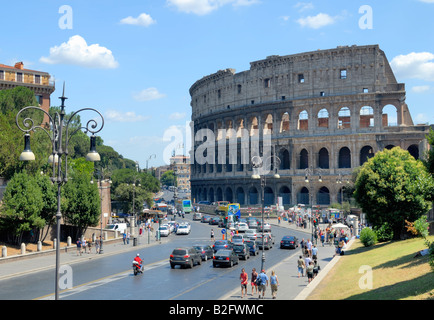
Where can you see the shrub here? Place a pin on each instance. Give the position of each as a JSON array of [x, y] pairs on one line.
[[384, 232], [368, 237]]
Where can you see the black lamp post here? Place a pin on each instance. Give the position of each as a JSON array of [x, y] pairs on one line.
[[260, 173], [60, 150]]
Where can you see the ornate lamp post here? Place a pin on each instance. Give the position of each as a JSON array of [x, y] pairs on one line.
[[59, 136], [260, 173], [100, 182]]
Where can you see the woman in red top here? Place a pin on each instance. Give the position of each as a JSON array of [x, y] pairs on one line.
[[244, 280]]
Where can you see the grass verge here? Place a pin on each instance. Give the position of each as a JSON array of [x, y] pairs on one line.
[[396, 273]]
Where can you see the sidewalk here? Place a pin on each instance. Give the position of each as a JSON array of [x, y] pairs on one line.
[[33, 262], [287, 273]]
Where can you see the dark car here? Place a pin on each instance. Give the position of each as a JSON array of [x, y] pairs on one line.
[[225, 257], [205, 251], [289, 242], [253, 248], [185, 257], [222, 244], [214, 221], [241, 250], [205, 219], [267, 242]]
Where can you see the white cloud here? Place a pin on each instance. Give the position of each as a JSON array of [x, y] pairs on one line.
[[129, 116], [421, 118], [148, 95], [420, 89], [303, 6], [77, 52], [203, 7], [177, 116], [143, 19], [427, 1], [316, 22], [414, 66]]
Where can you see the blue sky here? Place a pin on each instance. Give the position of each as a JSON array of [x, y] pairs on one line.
[[135, 61]]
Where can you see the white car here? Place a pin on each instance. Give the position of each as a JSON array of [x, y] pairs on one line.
[[250, 234], [164, 231], [183, 229], [241, 226]]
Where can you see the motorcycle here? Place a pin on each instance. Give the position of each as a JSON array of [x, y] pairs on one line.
[[137, 268]]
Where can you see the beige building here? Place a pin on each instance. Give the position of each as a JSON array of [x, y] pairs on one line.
[[321, 113], [181, 166], [37, 81]]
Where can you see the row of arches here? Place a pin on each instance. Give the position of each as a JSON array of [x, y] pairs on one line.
[[252, 196]]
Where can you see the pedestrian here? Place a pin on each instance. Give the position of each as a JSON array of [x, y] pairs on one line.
[[307, 261], [128, 237], [322, 238], [79, 247], [89, 244], [244, 277], [212, 235], [274, 283], [309, 248], [97, 246], [309, 271], [84, 245], [124, 237], [262, 282], [278, 220], [301, 266], [316, 268], [253, 280], [314, 252]]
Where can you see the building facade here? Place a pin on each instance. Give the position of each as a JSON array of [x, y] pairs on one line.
[[314, 116], [37, 81], [180, 164]]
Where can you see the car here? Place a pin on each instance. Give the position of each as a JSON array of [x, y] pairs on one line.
[[185, 257], [267, 242], [197, 216], [214, 221], [241, 226], [205, 219], [183, 229], [172, 226], [289, 242], [164, 231], [250, 234], [241, 250], [237, 239], [221, 244], [225, 257], [271, 237], [252, 223], [253, 248], [205, 251], [267, 227]]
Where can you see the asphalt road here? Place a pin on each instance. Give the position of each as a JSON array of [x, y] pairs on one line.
[[111, 277]]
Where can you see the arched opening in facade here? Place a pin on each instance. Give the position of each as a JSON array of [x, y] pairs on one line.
[[344, 118], [240, 196], [414, 151], [389, 147], [304, 159], [344, 158], [303, 121], [219, 194], [303, 196], [268, 124], [211, 195], [366, 153], [229, 195], [253, 195], [240, 127], [204, 194], [323, 196], [285, 161], [285, 194], [268, 196], [323, 159], [284, 124], [389, 116], [323, 118], [366, 117], [254, 127]]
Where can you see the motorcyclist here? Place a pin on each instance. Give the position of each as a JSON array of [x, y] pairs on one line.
[[139, 261]]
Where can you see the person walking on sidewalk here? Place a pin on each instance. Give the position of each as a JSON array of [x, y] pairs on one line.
[[253, 280], [301, 266], [274, 283], [244, 277], [79, 252], [262, 282]]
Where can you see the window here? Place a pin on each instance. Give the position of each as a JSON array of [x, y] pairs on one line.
[[365, 90], [239, 89], [2, 75], [37, 79], [267, 83], [219, 93], [300, 78], [343, 73], [322, 94], [19, 77]]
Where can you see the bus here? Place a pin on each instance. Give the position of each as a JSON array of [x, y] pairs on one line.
[[186, 206], [230, 213]]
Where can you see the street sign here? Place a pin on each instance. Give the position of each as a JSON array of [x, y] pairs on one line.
[[223, 231]]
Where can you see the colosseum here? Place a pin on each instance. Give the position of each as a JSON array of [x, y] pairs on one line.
[[320, 114]]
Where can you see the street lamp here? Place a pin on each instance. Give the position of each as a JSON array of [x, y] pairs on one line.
[[260, 173], [307, 178], [58, 128], [152, 156]]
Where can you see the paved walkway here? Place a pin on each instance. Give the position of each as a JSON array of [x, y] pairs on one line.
[[286, 270]]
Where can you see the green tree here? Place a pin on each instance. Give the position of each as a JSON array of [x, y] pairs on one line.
[[22, 206], [393, 187], [49, 199], [81, 201], [168, 178]]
